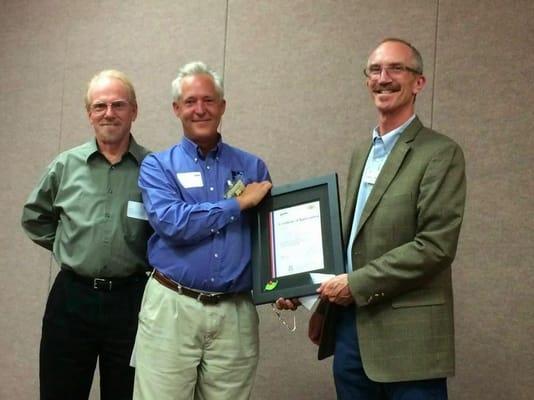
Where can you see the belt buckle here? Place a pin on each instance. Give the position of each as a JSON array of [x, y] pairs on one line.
[[208, 298], [102, 284]]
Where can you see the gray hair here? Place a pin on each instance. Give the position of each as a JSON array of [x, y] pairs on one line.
[[416, 55], [196, 68], [114, 74]]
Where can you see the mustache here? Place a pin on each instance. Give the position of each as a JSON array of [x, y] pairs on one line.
[[387, 86]]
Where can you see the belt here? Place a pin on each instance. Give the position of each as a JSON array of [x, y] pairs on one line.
[[203, 297], [106, 284]]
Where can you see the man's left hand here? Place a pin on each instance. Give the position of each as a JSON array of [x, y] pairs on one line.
[[287, 304], [336, 290]]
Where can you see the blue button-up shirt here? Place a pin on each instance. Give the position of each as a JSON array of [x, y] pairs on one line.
[[382, 146], [201, 239]]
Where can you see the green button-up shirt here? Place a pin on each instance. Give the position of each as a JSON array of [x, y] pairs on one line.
[[89, 212]]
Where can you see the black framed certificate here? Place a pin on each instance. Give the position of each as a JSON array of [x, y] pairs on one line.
[[296, 231]]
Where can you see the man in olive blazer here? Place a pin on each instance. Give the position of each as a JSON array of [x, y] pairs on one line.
[[401, 247]]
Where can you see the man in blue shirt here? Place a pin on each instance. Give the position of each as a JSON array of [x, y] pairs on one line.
[[198, 328]]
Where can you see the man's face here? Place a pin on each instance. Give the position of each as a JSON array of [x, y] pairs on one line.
[[110, 111], [200, 108], [393, 89]]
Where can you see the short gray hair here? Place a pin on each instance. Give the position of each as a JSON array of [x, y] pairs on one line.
[[196, 68], [417, 59]]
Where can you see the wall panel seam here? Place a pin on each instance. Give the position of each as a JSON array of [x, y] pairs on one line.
[[433, 96]]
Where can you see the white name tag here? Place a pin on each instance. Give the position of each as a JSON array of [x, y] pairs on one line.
[[190, 179], [136, 210], [370, 177]]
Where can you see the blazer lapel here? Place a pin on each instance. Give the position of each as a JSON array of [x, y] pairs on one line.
[[389, 170], [353, 185]]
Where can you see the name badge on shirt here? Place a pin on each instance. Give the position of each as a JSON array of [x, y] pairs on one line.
[[234, 189], [370, 177], [190, 179], [136, 210]]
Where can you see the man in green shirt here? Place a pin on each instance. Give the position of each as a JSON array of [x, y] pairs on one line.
[[87, 210]]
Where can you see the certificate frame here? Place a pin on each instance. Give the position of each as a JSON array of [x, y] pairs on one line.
[[266, 286]]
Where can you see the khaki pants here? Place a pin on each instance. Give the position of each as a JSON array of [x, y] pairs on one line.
[[187, 350]]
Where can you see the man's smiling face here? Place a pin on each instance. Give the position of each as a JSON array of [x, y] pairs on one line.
[[200, 108], [394, 88]]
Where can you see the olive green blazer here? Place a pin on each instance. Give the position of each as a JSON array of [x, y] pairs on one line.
[[402, 254]]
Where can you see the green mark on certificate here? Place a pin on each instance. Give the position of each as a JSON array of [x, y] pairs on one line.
[[271, 285]]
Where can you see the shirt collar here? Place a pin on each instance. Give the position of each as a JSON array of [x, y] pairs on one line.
[[92, 149], [133, 148], [194, 151], [390, 138]]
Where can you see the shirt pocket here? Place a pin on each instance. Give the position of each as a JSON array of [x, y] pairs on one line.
[[136, 226]]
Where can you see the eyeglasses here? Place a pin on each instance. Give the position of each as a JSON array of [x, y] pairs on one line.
[[374, 71], [283, 321], [116, 106]]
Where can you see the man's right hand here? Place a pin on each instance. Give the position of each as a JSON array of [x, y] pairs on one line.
[[254, 192], [315, 327]]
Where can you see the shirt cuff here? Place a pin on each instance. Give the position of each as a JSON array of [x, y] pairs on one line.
[[232, 207]]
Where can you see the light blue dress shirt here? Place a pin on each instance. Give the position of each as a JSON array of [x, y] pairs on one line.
[[382, 146]]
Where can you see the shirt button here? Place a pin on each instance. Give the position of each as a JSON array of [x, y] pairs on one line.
[[208, 167], [216, 255], [211, 189], [212, 279], [232, 218], [110, 191], [212, 230]]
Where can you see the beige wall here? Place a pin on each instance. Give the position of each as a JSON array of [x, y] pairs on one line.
[[295, 97]]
